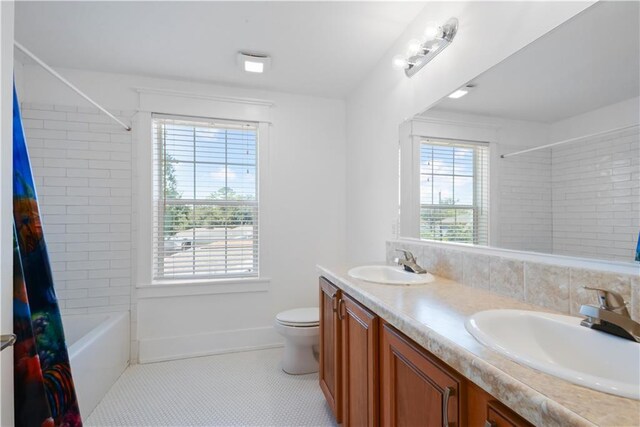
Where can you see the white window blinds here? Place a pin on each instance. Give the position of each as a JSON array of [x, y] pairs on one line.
[[454, 191], [205, 216]]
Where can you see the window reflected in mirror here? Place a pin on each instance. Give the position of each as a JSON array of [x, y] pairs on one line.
[[454, 191]]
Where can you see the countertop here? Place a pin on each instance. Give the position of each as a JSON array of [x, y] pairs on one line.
[[433, 315]]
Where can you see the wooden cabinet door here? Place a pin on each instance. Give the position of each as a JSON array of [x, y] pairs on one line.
[[330, 347], [416, 388], [359, 364]]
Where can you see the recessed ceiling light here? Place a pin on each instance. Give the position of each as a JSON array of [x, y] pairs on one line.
[[458, 94], [461, 92], [253, 62], [253, 67]]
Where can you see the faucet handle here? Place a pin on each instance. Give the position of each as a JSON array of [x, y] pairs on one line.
[[608, 300], [407, 255]]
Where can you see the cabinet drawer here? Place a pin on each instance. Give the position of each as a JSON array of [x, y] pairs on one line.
[[499, 415]]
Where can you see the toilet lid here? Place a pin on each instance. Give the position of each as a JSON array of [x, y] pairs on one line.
[[300, 317]]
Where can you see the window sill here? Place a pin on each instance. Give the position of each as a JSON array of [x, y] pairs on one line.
[[177, 288]]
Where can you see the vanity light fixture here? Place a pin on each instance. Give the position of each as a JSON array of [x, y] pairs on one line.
[[420, 51], [253, 62], [461, 92]]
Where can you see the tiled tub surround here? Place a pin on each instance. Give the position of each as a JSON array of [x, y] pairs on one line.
[[433, 315], [82, 164], [595, 188], [554, 287], [82, 167]]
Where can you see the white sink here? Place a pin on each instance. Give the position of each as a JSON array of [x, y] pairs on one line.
[[559, 346], [389, 275]]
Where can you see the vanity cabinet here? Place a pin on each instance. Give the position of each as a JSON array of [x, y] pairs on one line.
[[348, 357], [417, 389], [330, 347], [372, 374]]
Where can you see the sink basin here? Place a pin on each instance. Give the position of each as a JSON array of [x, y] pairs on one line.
[[389, 275], [559, 346]]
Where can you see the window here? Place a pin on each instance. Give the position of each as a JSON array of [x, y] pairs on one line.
[[454, 191], [205, 219]]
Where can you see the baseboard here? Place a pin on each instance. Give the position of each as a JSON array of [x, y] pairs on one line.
[[171, 348]]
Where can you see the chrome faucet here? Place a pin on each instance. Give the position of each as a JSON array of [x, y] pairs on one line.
[[611, 316], [409, 262]]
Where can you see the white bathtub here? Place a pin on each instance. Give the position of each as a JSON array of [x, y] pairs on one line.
[[98, 346]]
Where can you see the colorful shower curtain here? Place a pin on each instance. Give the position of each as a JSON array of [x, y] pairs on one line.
[[44, 391]]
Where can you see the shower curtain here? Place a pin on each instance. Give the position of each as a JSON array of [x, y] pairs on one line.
[[43, 386]]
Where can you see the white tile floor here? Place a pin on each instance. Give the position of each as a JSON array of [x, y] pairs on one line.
[[237, 389]]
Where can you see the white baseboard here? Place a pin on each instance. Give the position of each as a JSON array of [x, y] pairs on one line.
[[171, 348]]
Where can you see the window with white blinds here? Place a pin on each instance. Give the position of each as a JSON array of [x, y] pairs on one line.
[[205, 216], [454, 191]]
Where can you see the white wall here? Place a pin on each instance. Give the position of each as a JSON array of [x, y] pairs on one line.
[[624, 113], [307, 225], [6, 207], [385, 98]]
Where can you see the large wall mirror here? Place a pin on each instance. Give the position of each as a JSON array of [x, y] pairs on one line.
[[543, 151]]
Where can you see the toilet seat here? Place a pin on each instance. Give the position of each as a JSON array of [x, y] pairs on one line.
[[296, 325], [299, 317]]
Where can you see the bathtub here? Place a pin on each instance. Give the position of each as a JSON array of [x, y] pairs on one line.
[[98, 346]]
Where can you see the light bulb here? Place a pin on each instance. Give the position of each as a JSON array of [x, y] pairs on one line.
[[399, 62], [432, 31], [415, 46]]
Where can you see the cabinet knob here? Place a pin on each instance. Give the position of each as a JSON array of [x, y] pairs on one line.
[[490, 423]]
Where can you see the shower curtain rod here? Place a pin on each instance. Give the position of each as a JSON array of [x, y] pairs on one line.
[[504, 156], [68, 83]]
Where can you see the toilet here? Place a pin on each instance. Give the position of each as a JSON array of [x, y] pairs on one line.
[[300, 328]]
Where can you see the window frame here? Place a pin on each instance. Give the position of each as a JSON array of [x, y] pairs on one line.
[[159, 202], [143, 199], [411, 134], [474, 207]]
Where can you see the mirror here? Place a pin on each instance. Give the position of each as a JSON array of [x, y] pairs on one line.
[[542, 153]]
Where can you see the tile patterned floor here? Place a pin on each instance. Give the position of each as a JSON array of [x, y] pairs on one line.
[[237, 389]]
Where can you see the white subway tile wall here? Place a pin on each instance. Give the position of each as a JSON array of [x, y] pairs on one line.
[[524, 212], [81, 163], [596, 197]]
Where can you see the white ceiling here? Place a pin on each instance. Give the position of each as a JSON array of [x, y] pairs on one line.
[[317, 48], [591, 61]]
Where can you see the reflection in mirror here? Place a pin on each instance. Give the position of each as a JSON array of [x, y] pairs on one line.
[[542, 153], [453, 191]]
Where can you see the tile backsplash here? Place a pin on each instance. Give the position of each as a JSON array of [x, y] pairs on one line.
[[555, 287]]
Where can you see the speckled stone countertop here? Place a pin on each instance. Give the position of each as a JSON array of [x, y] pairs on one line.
[[433, 315]]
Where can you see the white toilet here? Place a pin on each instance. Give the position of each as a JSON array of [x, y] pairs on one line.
[[300, 328]]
